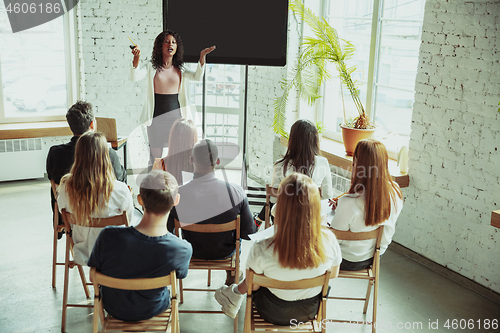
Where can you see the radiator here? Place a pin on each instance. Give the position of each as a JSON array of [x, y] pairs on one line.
[[22, 159]]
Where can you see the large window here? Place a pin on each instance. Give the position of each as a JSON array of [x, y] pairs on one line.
[[35, 71], [224, 91], [386, 34]]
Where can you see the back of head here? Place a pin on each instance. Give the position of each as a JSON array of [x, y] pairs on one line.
[[303, 146], [91, 177], [79, 117], [183, 136], [371, 177], [298, 240], [158, 192], [205, 153]]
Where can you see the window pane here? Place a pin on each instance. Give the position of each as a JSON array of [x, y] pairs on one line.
[[352, 19], [33, 71], [223, 106], [397, 69]]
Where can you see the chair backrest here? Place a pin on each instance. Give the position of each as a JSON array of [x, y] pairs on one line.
[[264, 281], [99, 279], [356, 236], [95, 222], [210, 228], [270, 192]]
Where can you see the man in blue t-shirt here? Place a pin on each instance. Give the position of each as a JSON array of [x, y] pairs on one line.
[[145, 251]]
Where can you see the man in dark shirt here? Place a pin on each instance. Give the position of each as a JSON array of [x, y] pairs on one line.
[[208, 200], [147, 250], [81, 119]]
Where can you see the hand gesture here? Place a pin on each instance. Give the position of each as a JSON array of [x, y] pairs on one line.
[[136, 51], [204, 52], [333, 203]]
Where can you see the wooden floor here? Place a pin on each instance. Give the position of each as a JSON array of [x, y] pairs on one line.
[[411, 296]]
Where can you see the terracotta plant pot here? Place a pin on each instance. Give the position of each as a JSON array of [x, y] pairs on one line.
[[352, 136]]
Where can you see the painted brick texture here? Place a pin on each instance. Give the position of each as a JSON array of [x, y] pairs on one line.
[[455, 142]]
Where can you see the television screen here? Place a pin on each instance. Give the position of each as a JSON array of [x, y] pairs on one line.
[[245, 32]]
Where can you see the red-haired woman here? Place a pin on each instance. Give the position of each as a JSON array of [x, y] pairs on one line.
[[372, 200], [299, 249]]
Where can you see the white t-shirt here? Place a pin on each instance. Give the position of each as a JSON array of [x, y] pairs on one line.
[[83, 237], [321, 176], [350, 215], [263, 260]]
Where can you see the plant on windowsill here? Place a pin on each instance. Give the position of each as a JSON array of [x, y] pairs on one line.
[[321, 128], [310, 72]]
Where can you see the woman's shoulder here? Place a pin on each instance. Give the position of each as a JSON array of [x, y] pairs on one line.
[[320, 159], [120, 187]]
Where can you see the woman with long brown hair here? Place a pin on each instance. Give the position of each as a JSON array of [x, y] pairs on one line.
[[91, 189], [372, 200], [303, 156], [183, 136], [299, 249]]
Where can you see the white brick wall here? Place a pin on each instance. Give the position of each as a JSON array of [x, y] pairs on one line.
[[455, 142], [263, 87]]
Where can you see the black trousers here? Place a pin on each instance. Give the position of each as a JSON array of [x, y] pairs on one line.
[[280, 312], [347, 265]]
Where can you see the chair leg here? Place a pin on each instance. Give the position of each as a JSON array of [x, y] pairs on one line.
[[209, 277], [65, 289], [54, 253], [375, 294], [84, 280], [181, 292], [368, 294]]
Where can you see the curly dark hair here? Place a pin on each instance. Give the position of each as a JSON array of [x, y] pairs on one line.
[[157, 56]]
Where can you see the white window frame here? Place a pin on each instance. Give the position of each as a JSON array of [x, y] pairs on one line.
[[373, 67]]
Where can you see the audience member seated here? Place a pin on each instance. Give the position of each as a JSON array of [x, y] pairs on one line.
[[147, 250], [208, 200], [91, 189], [299, 249], [302, 156], [373, 200], [183, 136], [81, 119]]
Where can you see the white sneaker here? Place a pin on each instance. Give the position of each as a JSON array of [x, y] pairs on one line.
[[229, 300]]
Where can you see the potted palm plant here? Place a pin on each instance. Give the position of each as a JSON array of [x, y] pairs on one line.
[[310, 71]]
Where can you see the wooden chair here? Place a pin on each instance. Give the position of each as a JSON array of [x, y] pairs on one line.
[[270, 192], [255, 323], [94, 223], [167, 321], [371, 274], [57, 229], [230, 264]]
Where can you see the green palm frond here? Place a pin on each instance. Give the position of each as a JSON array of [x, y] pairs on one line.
[[310, 71]]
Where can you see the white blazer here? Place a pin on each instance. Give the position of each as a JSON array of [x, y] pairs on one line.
[[139, 73]]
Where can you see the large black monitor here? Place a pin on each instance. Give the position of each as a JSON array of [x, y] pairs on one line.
[[246, 32]]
